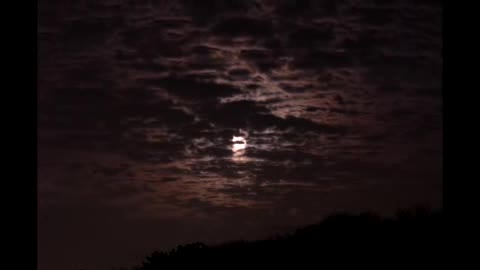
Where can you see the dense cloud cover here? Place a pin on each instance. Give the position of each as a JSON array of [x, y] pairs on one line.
[[339, 103]]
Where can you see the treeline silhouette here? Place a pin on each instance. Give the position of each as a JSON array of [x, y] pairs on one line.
[[412, 233]]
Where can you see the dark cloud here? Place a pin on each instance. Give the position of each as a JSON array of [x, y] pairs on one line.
[[389, 87], [252, 86], [307, 8], [152, 40], [204, 50], [375, 15], [305, 37], [163, 155], [169, 179], [344, 111], [163, 112], [235, 114], [243, 114], [110, 171], [255, 54], [94, 96], [206, 64], [208, 9], [147, 66], [263, 59], [193, 89], [239, 74], [85, 33], [339, 100], [320, 60], [432, 91], [244, 26], [312, 109], [296, 88]]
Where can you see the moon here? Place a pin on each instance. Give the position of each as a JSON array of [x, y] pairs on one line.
[[238, 144]]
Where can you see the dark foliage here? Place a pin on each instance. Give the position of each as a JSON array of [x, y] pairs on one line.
[[411, 235]]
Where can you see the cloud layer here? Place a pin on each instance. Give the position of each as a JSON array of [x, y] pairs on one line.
[[339, 103]]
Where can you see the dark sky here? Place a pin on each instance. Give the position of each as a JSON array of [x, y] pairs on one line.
[[163, 122]]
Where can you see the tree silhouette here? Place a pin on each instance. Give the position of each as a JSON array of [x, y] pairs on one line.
[[412, 233]]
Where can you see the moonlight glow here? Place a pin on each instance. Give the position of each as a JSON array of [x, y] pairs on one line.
[[239, 144]]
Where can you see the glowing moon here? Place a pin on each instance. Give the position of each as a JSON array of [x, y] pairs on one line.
[[239, 144]]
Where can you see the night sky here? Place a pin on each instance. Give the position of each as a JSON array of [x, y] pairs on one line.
[[164, 122]]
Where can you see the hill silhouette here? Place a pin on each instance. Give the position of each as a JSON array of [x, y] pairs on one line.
[[412, 234]]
